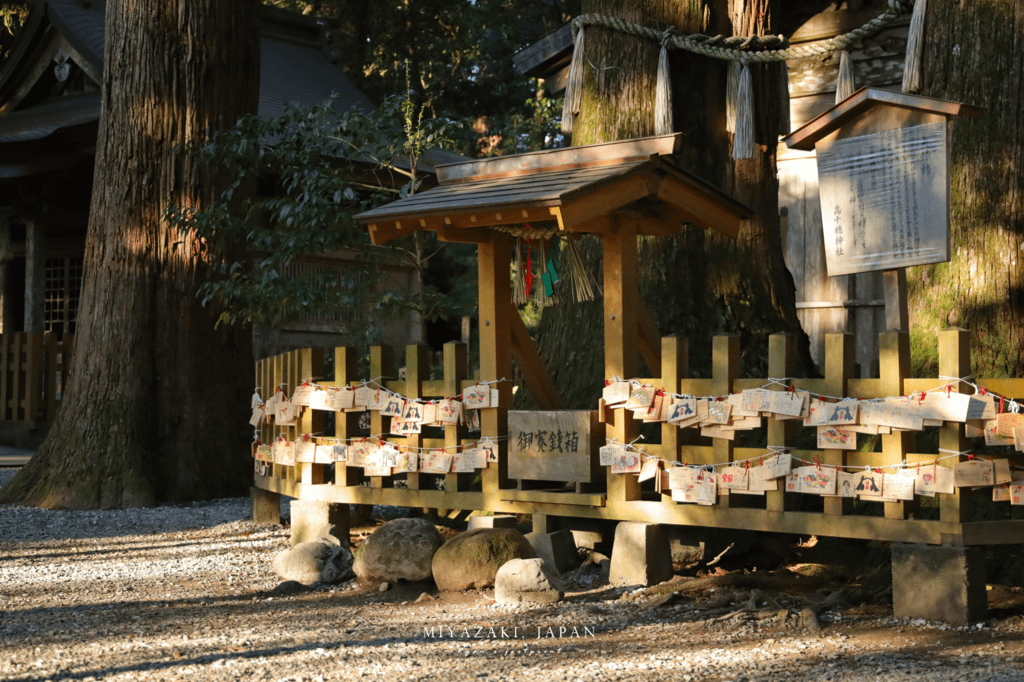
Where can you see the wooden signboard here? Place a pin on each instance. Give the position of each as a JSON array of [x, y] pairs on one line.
[[553, 446], [884, 199]]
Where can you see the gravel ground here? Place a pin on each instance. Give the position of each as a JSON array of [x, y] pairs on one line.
[[183, 592]]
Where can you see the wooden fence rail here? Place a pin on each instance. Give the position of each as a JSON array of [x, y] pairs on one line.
[[33, 372], [623, 497]]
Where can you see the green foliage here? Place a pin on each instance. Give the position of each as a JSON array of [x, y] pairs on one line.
[[313, 170]]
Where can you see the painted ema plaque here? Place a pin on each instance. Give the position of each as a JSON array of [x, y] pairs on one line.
[[884, 199], [552, 446]]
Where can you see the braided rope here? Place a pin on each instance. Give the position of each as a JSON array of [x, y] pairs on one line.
[[745, 49]]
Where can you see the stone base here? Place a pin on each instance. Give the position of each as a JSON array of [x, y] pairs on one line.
[[266, 506], [312, 520], [944, 584], [558, 549], [496, 521], [640, 555]]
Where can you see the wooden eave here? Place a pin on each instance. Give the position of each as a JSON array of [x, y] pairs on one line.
[[578, 190], [865, 99]]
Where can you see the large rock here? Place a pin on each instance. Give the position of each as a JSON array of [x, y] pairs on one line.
[[527, 580], [399, 550], [473, 558], [317, 561]]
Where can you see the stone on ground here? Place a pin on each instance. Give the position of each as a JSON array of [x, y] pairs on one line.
[[316, 561], [640, 555], [527, 580], [558, 549], [399, 550], [473, 558]]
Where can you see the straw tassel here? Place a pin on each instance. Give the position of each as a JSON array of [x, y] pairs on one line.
[[573, 86], [663, 95], [915, 48], [743, 140], [732, 92], [844, 83], [784, 121]]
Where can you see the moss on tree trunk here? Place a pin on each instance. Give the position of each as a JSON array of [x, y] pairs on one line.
[[972, 54]]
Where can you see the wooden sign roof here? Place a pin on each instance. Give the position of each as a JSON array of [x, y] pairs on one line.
[[578, 189], [863, 101]]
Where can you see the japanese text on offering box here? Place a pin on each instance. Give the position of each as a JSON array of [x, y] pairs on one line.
[[884, 200]]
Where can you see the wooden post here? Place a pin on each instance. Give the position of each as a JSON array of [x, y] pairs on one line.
[[8, 323], [781, 363], [35, 277], [311, 364], [954, 361], [725, 366], [894, 285], [494, 293], [840, 358], [382, 365], [621, 354], [456, 368], [893, 367], [675, 364], [345, 423]]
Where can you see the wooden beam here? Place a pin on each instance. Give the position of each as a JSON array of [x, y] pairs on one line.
[[606, 199], [705, 211], [462, 235], [524, 352]]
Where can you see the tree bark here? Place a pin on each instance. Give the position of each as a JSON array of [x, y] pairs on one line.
[[156, 405], [694, 284], [972, 54]]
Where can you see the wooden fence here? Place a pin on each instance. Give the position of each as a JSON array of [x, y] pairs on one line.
[[622, 496], [33, 371]]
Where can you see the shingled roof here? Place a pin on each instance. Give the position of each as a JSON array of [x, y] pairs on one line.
[[293, 68], [577, 189]]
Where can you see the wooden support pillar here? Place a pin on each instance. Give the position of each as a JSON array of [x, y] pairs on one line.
[[456, 368], [382, 364], [35, 277], [8, 322], [894, 286], [495, 292], [954, 361], [893, 367], [840, 359], [781, 363], [311, 362], [621, 340], [675, 365], [345, 423]]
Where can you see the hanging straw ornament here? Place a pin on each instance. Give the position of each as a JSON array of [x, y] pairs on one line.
[[579, 276], [845, 85], [915, 48], [663, 91], [518, 276], [573, 86], [529, 270], [743, 139], [732, 93]]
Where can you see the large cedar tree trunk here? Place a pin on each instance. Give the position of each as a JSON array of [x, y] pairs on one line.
[[694, 284], [156, 406], [973, 54]]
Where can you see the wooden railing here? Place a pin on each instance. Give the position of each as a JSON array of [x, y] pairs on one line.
[[621, 496], [33, 371]]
